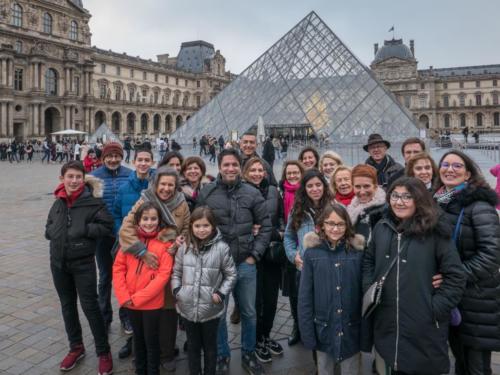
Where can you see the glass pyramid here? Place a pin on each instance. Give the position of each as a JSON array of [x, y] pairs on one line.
[[308, 78]]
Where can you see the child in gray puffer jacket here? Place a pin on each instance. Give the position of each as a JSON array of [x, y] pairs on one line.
[[204, 275]]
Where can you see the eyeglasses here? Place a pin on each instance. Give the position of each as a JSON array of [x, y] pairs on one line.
[[293, 173], [334, 225], [405, 197], [455, 166]]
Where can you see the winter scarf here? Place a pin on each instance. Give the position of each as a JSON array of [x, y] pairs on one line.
[[145, 237], [289, 197], [61, 193], [356, 208], [443, 196], [344, 199], [167, 207]]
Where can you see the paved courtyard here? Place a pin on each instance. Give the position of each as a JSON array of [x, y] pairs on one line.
[[32, 337]]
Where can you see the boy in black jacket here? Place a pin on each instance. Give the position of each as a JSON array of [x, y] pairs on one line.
[[77, 218]]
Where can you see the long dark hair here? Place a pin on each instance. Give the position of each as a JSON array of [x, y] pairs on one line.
[[476, 177], [203, 212], [170, 155], [342, 213], [315, 153], [303, 203], [285, 166], [426, 214]]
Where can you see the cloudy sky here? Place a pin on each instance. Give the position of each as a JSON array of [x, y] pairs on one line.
[[446, 32]]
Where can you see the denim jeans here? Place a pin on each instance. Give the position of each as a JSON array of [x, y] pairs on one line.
[[105, 265], [77, 280], [245, 293]]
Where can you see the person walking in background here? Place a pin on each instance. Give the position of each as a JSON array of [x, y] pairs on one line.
[[268, 154], [140, 289], [204, 275]]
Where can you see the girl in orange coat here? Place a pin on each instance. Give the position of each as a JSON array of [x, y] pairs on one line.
[[141, 289]]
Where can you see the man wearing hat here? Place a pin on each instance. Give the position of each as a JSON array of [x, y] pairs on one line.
[[113, 175], [385, 165]]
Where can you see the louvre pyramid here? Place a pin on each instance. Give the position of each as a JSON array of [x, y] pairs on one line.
[[307, 77]]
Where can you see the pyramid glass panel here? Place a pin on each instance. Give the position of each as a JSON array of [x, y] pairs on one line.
[[309, 78]]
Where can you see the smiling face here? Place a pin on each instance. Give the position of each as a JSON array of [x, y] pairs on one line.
[[175, 163], [364, 189], [377, 151], [256, 173], [402, 203], [165, 188], [309, 160], [334, 228], [343, 182], [229, 169], [328, 166], [149, 220], [315, 189], [292, 174], [193, 173], [113, 161], [422, 169], [452, 171], [143, 163], [410, 150], [202, 229], [248, 145], [72, 180]]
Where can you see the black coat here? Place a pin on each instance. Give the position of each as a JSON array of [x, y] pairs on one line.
[[274, 207], [479, 249], [73, 232], [386, 175], [268, 152], [237, 208], [410, 326]]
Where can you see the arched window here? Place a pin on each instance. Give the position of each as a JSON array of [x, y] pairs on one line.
[[463, 120], [446, 121], [496, 119], [73, 30], [47, 23], [495, 98], [51, 82], [479, 119], [144, 123], [17, 15]]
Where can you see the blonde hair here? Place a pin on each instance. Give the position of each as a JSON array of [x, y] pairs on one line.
[[330, 155], [340, 168]]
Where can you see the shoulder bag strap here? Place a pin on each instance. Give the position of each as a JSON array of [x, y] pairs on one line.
[[456, 231]]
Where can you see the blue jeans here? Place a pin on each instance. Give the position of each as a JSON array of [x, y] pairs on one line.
[[245, 293], [105, 266]]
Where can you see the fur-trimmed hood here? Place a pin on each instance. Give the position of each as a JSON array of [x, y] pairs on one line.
[[473, 194], [312, 239], [356, 208], [95, 184]]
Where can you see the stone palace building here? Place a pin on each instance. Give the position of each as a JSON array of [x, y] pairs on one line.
[[52, 79], [440, 99]]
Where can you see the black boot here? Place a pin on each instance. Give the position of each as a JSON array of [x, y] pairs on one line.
[[126, 350], [295, 336]]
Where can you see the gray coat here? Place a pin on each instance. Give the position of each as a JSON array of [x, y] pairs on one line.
[[199, 274]]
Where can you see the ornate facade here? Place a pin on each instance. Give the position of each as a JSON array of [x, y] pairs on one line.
[[440, 99], [51, 78]]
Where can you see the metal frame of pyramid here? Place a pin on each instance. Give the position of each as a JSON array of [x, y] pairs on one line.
[[307, 77]]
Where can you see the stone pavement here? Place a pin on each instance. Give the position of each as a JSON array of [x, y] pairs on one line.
[[32, 337]]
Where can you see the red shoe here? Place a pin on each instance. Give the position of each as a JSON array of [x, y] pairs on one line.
[[72, 358], [105, 364]]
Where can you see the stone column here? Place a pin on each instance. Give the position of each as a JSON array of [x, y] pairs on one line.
[[91, 116], [10, 74], [3, 119], [91, 89], [67, 117], [10, 120], [3, 72], [35, 116], [42, 77], [71, 79]]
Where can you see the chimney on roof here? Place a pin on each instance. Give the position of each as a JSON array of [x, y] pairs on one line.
[[375, 48], [412, 47]]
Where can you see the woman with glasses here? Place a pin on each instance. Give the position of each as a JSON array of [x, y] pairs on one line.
[[368, 204], [423, 167], [469, 205], [330, 292], [411, 244]]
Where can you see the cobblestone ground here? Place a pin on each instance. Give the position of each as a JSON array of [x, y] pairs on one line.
[[32, 337]]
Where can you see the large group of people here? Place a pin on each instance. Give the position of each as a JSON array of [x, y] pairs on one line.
[[398, 261]]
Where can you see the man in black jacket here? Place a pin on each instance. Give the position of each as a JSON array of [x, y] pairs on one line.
[[237, 206], [76, 220]]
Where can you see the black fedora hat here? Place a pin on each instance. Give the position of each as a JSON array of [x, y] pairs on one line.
[[375, 138]]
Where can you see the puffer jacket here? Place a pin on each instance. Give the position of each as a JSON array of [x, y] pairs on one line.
[[128, 194], [198, 274], [136, 282], [112, 182], [330, 294], [293, 240], [237, 208], [479, 250], [73, 231], [410, 326]]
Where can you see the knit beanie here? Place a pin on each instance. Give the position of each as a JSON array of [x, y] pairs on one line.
[[112, 148]]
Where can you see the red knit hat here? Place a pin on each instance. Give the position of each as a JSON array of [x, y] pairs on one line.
[[112, 148]]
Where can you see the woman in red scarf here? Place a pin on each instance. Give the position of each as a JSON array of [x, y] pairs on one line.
[[293, 170], [341, 185]]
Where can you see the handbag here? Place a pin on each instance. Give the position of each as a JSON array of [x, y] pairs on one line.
[[275, 253], [373, 296]]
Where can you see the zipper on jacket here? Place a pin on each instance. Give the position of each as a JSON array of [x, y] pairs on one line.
[[397, 305]]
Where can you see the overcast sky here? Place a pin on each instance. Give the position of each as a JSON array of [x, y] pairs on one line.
[[446, 32]]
